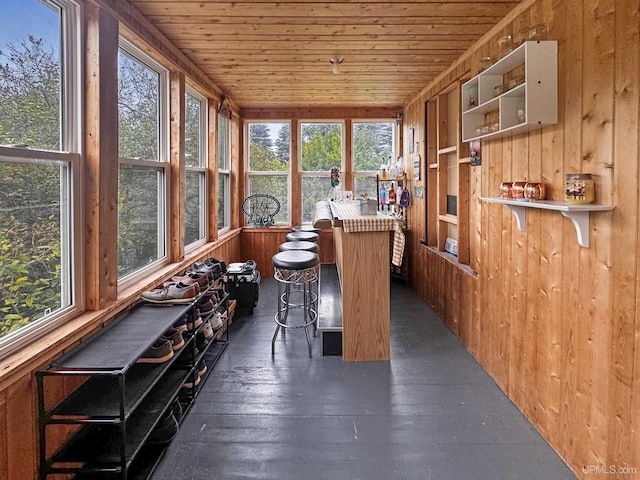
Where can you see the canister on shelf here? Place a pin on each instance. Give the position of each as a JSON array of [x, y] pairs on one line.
[[517, 190], [535, 191], [579, 188]]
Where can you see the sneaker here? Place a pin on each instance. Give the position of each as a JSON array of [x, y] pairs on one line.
[[173, 293], [165, 430], [216, 321], [159, 352], [180, 284], [207, 330], [175, 337]]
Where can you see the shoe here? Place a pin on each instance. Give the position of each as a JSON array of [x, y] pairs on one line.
[[173, 293], [201, 368], [159, 352], [175, 337], [213, 265], [192, 382], [207, 330], [206, 308], [165, 430], [190, 278], [189, 322], [181, 284], [216, 321], [201, 341]]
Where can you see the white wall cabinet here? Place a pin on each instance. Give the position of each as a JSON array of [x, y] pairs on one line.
[[530, 104]]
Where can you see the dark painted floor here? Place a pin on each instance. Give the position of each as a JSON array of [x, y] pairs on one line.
[[432, 413]]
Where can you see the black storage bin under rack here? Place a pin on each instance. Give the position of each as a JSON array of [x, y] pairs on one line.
[[121, 401], [243, 284]]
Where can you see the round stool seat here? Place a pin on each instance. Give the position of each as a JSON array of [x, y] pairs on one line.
[[295, 260], [306, 228], [299, 245], [302, 236]]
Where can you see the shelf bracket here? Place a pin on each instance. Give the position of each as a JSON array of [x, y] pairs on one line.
[[521, 216], [580, 220]]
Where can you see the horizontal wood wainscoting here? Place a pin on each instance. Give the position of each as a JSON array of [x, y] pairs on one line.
[[18, 390], [556, 324], [261, 244]]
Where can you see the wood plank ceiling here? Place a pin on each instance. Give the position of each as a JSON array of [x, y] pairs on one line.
[[277, 54]]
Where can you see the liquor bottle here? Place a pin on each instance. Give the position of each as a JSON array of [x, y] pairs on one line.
[[392, 195], [383, 195]]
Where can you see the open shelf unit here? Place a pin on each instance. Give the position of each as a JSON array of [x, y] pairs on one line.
[[578, 214], [115, 410], [527, 105]]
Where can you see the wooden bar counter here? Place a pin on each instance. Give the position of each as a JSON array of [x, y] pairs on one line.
[[361, 245]]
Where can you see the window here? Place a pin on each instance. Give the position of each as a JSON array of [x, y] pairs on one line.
[[143, 152], [39, 168], [195, 229], [268, 160], [321, 150], [373, 145], [224, 172]]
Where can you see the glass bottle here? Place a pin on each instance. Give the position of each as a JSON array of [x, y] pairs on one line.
[[383, 194], [392, 195]]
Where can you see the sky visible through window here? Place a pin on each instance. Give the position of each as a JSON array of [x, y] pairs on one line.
[[21, 18]]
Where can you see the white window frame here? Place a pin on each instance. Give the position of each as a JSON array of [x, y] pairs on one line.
[[72, 121], [202, 169], [162, 163], [269, 173], [225, 171]]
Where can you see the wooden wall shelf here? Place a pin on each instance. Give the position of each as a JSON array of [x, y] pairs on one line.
[[578, 214]]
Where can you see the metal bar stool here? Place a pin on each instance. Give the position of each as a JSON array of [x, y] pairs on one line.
[[299, 245], [295, 267], [302, 236], [306, 228]]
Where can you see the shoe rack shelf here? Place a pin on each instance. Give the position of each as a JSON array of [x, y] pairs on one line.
[[115, 410]]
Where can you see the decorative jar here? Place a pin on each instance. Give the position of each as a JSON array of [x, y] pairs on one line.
[[534, 191], [517, 190], [579, 188], [505, 189]]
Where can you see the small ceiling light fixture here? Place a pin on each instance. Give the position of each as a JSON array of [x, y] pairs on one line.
[[335, 62]]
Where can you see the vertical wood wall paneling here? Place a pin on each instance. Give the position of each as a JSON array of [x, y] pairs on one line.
[[4, 436], [623, 448], [21, 426], [177, 181], [101, 158], [554, 323]]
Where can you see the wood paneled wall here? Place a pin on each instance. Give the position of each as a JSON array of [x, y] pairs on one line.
[[555, 324]]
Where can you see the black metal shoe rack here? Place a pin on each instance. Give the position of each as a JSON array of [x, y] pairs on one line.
[[117, 407]]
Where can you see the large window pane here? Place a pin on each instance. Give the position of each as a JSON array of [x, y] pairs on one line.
[[365, 184], [193, 126], [321, 146], [30, 75], [140, 217], [196, 173], [194, 229], [269, 147], [223, 200], [276, 186], [34, 263], [372, 145], [314, 190], [138, 109]]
